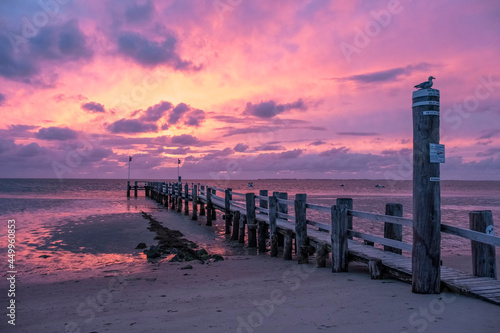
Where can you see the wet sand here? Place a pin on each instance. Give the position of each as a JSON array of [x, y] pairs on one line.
[[243, 293]]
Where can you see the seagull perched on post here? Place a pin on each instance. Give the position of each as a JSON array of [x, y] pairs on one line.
[[426, 84]]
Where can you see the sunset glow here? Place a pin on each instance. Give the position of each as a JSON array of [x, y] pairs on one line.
[[244, 89]]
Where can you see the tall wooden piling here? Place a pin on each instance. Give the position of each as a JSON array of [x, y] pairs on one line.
[[236, 225], [209, 206], [241, 236], [135, 189], [483, 255], [227, 210], [186, 199], [272, 225], [214, 211], [339, 238], [348, 202], [263, 230], [195, 203], [301, 228], [251, 222], [282, 208], [426, 249], [179, 197], [392, 230], [202, 205], [128, 188]]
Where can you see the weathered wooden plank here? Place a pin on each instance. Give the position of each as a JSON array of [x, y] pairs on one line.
[[339, 239], [301, 228], [251, 222], [319, 208], [381, 218], [236, 225], [321, 226], [287, 249], [391, 230], [470, 234], [263, 204], [483, 255], [272, 225], [380, 240]]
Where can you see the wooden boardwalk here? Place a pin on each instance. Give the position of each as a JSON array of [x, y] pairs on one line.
[[319, 235]]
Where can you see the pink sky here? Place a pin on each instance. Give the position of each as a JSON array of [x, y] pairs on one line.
[[243, 89]]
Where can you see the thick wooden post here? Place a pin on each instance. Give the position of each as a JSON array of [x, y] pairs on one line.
[[135, 189], [391, 230], [321, 254], [209, 206], [186, 199], [241, 236], [128, 188], [195, 203], [173, 203], [426, 252], [301, 228], [202, 205], [227, 210], [179, 198], [282, 208], [251, 222], [483, 255], [349, 204], [214, 211], [339, 238], [272, 225], [263, 230], [236, 225]]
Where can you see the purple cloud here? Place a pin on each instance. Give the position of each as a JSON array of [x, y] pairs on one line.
[[138, 13], [269, 109], [93, 107], [389, 74], [269, 148], [156, 112], [195, 118], [152, 53], [240, 147], [184, 140], [317, 143], [2, 99], [131, 126], [177, 113], [56, 133], [358, 133]]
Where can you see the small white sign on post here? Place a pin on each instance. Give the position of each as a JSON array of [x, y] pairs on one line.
[[436, 152]]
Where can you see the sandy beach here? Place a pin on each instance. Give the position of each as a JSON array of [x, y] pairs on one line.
[[243, 293]]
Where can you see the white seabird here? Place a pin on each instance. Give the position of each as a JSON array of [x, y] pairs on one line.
[[426, 84]]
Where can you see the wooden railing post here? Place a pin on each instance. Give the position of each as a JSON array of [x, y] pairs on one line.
[[214, 211], [426, 251], [236, 225], [241, 236], [227, 210], [339, 238], [483, 255], [202, 205], [209, 206], [128, 188], [272, 225], [301, 228], [179, 197], [186, 199], [251, 223], [195, 203], [392, 230], [282, 208], [263, 230], [173, 203], [349, 204], [135, 189]]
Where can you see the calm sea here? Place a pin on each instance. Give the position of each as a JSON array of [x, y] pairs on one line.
[[76, 224]]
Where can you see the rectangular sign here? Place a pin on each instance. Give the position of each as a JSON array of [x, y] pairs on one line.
[[434, 179], [436, 152], [430, 113]]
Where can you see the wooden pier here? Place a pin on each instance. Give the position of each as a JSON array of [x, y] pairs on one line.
[[263, 222]]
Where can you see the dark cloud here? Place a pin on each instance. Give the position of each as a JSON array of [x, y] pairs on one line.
[[132, 126], [358, 133], [229, 119], [246, 130], [401, 152], [240, 147], [150, 53], [156, 112], [334, 151], [56, 133], [176, 151], [489, 134], [290, 154], [184, 140], [317, 143], [65, 42], [195, 118], [269, 109], [14, 66], [137, 13], [218, 153], [392, 74], [269, 148], [30, 150], [93, 107], [2, 99], [489, 152], [177, 113]]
